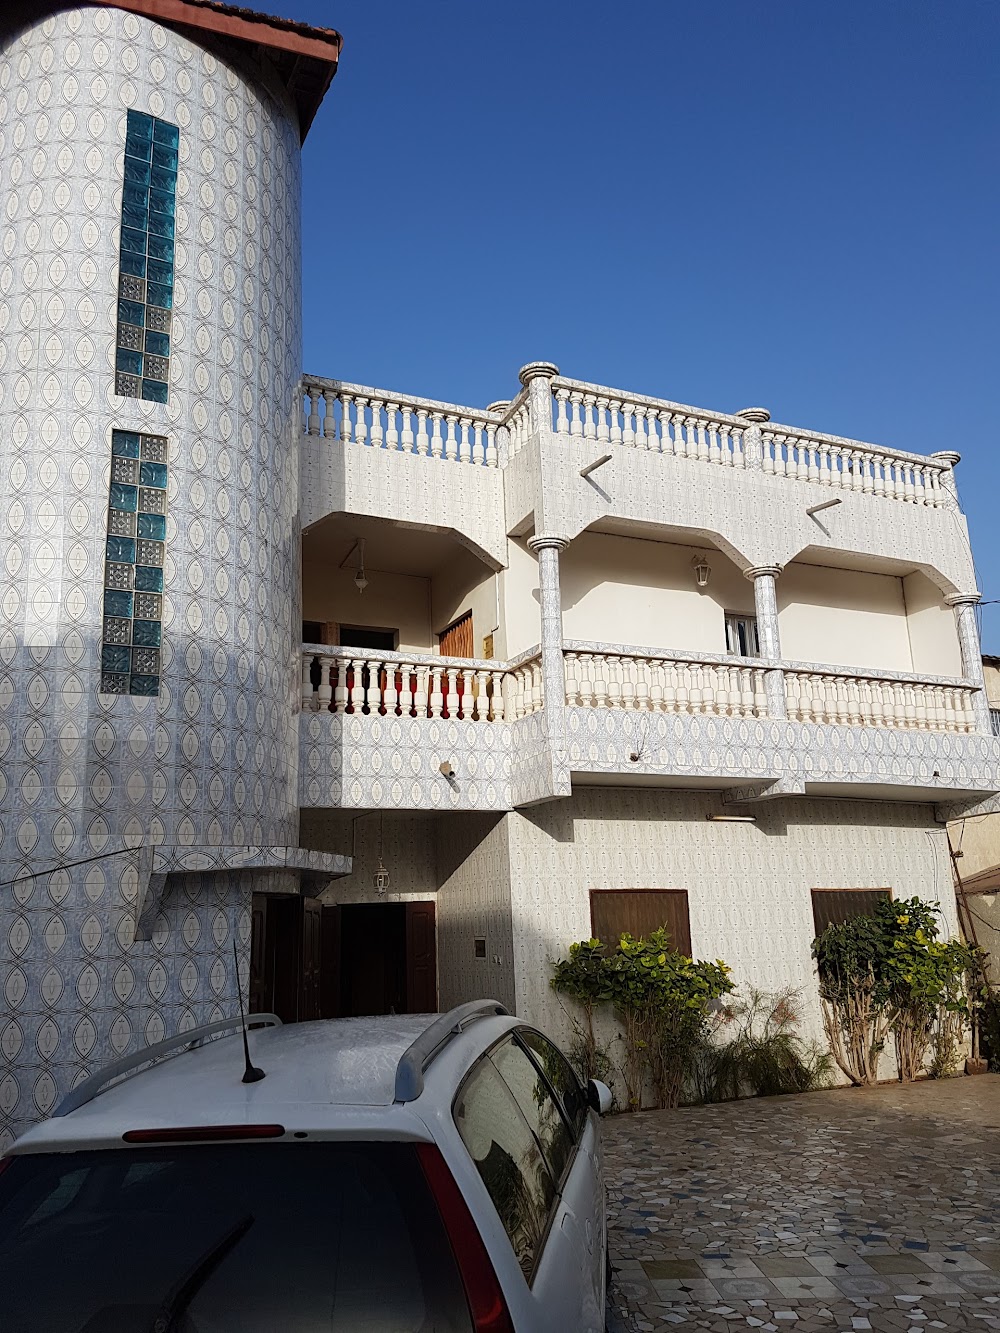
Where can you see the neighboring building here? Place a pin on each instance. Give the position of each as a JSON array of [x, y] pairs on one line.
[[584, 659]]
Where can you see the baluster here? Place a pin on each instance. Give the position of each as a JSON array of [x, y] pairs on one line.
[[423, 443], [739, 457], [909, 492], [391, 433], [464, 448], [614, 429], [421, 692], [537, 687], [478, 443], [801, 448], [361, 421], [576, 424], [628, 434], [377, 434], [572, 682], [436, 701], [437, 444], [467, 698], [853, 703], [390, 694], [823, 465], [451, 442], [338, 678], [589, 424], [355, 695], [769, 463], [662, 419], [676, 690], [345, 417], [406, 438], [599, 667], [603, 428], [324, 691], [329, 419], [696, 432], [312, 426], [812, 461], [640, 426], [656, 684], [373, 690], [307, 687], [614, 681], [641, 667], [714, 449], [491, 444], [562, 424], [480, 681], [868, 474]]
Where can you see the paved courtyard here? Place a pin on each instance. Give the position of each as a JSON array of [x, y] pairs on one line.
[[844, 1210]]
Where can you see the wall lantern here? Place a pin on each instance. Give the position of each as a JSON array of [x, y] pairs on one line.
[[360, 582], [381, 878], [702, 570]]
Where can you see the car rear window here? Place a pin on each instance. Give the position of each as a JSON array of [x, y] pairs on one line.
[[235, 1238]]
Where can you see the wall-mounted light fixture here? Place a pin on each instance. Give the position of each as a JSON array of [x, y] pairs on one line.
[[732, 819], [360, 582], [702, 570], [446, 769]]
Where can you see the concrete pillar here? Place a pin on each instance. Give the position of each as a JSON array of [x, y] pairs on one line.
[[537, 378], [964, 607], [753, 443], [547, 548], [765, 595], [951, 461]]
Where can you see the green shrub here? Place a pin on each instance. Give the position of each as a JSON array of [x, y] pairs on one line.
[[764, 1056]]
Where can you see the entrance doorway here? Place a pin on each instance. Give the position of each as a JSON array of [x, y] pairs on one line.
[[312, 961]]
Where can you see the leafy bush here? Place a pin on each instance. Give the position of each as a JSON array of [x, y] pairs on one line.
[[764, 1056], [889, 972]]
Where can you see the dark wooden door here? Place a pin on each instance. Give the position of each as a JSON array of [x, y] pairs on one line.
[[309, 990], [329, 977], [421, 959], [261, 996]]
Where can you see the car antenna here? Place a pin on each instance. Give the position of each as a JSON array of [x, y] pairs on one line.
[[251, 1074]]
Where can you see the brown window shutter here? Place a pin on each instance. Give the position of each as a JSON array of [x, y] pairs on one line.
[[456, 640], [832, 907], [637, 912]]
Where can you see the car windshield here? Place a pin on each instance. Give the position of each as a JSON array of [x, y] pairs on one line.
[[228, 1238]]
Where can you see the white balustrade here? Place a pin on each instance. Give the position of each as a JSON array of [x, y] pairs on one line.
[[354, 680], [632, 680], [856, 700], [592, 412], [377, 419]]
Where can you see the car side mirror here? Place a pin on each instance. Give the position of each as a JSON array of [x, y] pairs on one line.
[[599, 1096]]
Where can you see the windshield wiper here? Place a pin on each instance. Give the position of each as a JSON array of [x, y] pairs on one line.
[[183, 1292]]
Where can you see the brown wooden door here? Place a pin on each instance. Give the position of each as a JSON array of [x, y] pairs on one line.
[[421, 959], [456, 640], [329, 979], [261, 997], [309, 992]]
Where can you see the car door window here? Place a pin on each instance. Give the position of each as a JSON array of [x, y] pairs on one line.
[[508, 1158], [560, 1073], [534, 1097]]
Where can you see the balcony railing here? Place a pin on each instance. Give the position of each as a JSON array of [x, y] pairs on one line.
[[378, 419], [858, 700], [635, 421], [637, 680], [361, 681]]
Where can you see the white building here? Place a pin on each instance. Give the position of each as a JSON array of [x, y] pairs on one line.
[[548, 649]]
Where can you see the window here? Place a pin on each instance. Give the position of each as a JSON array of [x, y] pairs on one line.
[[832, 907], [613, 912], [133, 567], [146, 258], [358, 636], [508, 1158], [741, 635], [538, 1106], [995, 720], [559, 1072]]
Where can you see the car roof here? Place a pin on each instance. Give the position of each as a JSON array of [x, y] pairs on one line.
[[346, 1063]]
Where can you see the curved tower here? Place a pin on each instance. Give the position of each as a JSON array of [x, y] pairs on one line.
[[150, 332]]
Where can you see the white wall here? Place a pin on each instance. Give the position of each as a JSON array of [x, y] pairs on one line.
[[627, 590], [391, 601], [474, 902], [934, 646], [519, 592], [843, 617]]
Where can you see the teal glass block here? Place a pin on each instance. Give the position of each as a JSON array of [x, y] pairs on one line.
[[164, 156], [162, 179], [153, 474], [153, 391], [160, 273], [132, 312], [127, 498], [133, 241], [162, 224], [132, 264], [130, 363], [164, 132], [148, 686], [137, 218], [153, 526], [137, 172], [139, 148], [140, 123], [117, 603], [115, 658], [160, 248], [146, 633], [162, 202], [125, 444], [159, 295], [121, 548], [148, 579], [135, 196], [157, 343]]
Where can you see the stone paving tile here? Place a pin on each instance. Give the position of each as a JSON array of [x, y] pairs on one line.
[[841, 1211]]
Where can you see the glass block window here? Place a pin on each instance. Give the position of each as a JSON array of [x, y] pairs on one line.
[[133, 568], [146, 258]]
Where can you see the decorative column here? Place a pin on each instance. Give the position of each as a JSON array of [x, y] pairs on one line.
[[765, 596], [753, 441], [964, 606], [950, 459], [547, 548], [537, 378]]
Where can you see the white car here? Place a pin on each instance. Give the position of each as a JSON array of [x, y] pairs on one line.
[[382, 1175]]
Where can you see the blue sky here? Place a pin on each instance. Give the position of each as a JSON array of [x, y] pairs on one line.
[[775, 202]]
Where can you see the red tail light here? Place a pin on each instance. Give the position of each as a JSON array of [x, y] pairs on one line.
[[203, 1133], [486, 1300]]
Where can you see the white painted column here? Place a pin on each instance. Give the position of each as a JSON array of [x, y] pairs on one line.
[[547, 548], [537, 378], [964, 607], [951, 460], [765, 595], [753, 441]]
